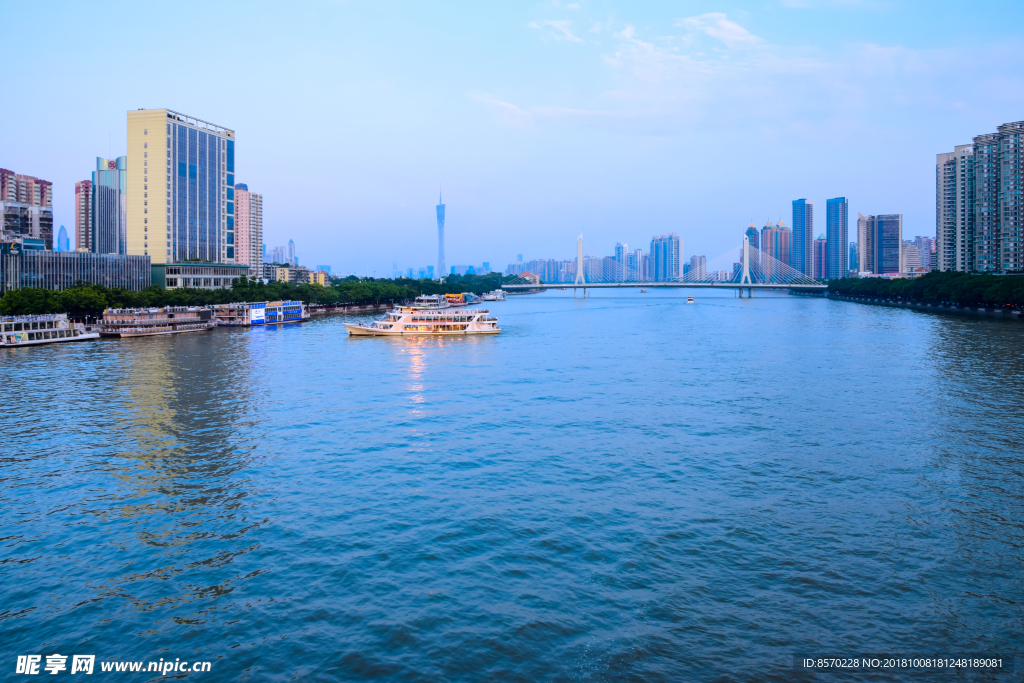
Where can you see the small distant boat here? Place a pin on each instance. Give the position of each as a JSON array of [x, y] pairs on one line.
[[496, 295], [690, 300], [643, 291]]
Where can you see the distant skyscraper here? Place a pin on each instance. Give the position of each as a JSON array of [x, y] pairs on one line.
[[819, 257], [837, 214], [248, 236], [698, 268], [865, 244], [910, 257], [926, 247], [278, 255], [264, 252], [519, 258], [880, 243], [194, 161], [63, 243], [292, 258], [621, 267], [854, 258], [803, 237], [430, 272], [440, 235], [83, 215], [666, 257], [777, 241]]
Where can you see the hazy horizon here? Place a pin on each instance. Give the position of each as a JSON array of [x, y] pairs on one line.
[[538, 121]]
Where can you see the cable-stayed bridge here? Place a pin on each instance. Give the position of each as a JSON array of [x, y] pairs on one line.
[[744, 268]]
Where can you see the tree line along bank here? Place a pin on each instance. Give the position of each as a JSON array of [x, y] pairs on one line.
[[938, 287], [91, 300]]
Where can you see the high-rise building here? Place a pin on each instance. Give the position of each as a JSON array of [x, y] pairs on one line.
[[880, 243], [865, 244], [926, 247], [26, 207], [182, 208], [819, 257], [803, 237], [777, 241], [622, 268], [837, 214], [998, 204], [698, 268], [278, 255], [83, 215], [910, 257], [248, 228], [954, 209], [979, 211], [854, 258], [25, 189], [440, 236], [666, 255], [63, 243], [110, 206], [293, 259]]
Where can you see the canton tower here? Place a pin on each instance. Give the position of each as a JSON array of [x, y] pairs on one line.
[[440, 238]]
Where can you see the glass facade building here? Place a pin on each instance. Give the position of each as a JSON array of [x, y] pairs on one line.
[[110, 206], [181, 188], [21, 267], [837, 214], [803, 237]]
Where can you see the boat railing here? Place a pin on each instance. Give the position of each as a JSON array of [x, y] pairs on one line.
[[38, 318]]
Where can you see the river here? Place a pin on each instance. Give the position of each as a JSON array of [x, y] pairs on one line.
[[622, 488]]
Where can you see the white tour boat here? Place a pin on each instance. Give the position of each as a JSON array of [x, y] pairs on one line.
[[30, 330], [690, 300], [496, 295], [428, 315]]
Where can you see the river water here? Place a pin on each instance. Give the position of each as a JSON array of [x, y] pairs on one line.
[[622, 488]]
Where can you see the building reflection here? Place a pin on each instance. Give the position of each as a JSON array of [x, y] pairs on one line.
[[182, 455]]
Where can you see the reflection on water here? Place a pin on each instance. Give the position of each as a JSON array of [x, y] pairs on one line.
[[621, 488]]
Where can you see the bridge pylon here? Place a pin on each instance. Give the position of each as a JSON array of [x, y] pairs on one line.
[[580, 280]]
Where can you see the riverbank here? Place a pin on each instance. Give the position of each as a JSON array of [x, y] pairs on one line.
[[1005, 312]]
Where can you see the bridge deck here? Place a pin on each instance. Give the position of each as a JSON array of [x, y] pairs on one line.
[[674, 285]]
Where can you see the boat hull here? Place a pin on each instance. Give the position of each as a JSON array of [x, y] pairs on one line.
[[364, 331], [154, 333], [39, 342]]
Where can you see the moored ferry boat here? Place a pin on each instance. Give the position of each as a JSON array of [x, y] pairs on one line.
[[496, 295], [428, 315], [145, 322], [455, 299], [260, 313], [30, 330]]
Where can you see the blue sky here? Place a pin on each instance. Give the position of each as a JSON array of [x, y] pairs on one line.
[[540, 120]]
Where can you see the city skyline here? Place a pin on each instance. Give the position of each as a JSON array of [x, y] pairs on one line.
[[585, 133]]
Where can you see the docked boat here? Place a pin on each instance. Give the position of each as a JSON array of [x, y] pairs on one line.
[[428, 315], [247, 314], [689, 299], [31, 330], [146, 322], [455, 299], [496, 295]]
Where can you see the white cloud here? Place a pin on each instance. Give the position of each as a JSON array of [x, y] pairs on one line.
[[718, 26], [557, 29]]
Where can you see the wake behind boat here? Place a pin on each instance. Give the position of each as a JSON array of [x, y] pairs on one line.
[[428, 315]]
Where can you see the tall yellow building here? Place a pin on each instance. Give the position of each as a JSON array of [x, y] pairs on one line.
[[181, 179]]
